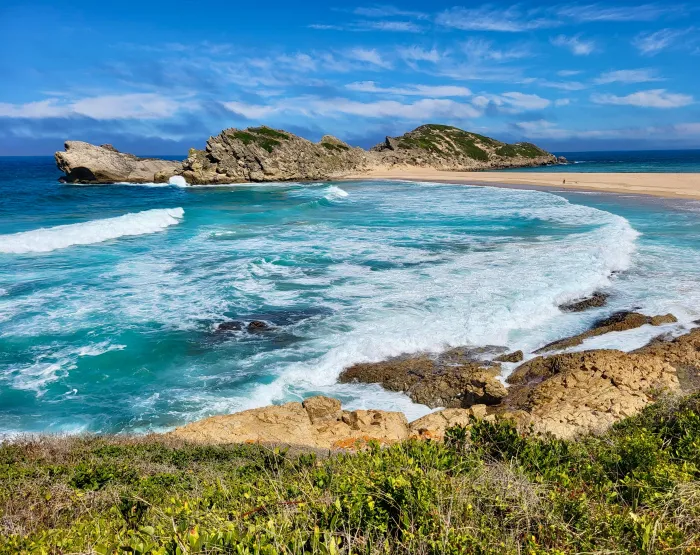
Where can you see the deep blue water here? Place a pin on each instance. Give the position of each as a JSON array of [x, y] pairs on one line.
[[110, 295], [637, 161]]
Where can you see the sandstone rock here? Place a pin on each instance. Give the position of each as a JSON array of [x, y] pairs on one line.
[[515, 356], [572, 393], [322, 408], [596, 300], [619, 321], [451, 379], [683, 353], [317, 423], [433, 425], [86, 163]]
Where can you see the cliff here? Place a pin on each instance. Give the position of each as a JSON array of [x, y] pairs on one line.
[[259, 154]]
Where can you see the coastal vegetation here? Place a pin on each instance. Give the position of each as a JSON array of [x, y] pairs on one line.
[[486, 489], [264, 137]]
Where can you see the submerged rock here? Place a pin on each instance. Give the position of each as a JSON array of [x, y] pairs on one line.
[[515, 356], [86, 163], [451, 379], [596, 300], [619, 321]]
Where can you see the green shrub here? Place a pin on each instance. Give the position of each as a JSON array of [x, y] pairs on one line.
[[486, 489]]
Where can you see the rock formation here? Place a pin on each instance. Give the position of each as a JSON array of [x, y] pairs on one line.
[[564, 394], [86, 163], [260, 154], [620, 321], [319, 422], [456, 378]]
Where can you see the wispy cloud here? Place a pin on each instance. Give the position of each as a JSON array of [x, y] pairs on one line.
[[655, 98], [397, 26], [605, 12], [627, 76], [435, 91], [388, 11], [568, 72], [653, 43], [420, 110], [492, 18], [480, 49], [577, 45], [105, 107], [370, 56], [419, 54], [512, 102]]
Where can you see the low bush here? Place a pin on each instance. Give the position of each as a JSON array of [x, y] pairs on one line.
[[486, 489]]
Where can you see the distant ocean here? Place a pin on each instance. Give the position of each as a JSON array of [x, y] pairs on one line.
[[631, 161], [110, 295]]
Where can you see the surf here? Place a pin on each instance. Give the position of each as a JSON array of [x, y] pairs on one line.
[[45, 240]]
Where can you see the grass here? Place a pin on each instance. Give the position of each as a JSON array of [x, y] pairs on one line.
[[527, 150], [487, 489], [264, 137], [332, 147]]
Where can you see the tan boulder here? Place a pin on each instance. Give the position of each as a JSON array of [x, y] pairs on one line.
[[573, 393], [433, 425]]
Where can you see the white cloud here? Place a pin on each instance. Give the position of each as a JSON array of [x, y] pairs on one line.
[[479, 49], [656, 98], [106, 107], [577, 45], [324, 27], [627, 76], [398, 26], [653, 43], [568, 72], [421, 110], [435, 91], [598, 12], [371, 56], [512, 102], [490, 18], [388, 11], [562, 102], [418, 54]]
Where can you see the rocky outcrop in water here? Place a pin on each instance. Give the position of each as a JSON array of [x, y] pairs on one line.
[[86, 163], [259, 154], [455, 378]]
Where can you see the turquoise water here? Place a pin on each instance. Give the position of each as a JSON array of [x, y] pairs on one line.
[[636, 161], [110, 295]]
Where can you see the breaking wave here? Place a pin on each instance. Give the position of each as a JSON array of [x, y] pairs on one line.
[[87, 233]]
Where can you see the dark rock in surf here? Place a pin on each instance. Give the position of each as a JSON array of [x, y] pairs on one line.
[[596, 300], [257, 326]]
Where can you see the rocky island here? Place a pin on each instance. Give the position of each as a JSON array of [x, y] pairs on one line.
[[259, 154]]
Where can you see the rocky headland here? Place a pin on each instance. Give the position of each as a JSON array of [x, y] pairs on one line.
[[566, 394], [260, 154]]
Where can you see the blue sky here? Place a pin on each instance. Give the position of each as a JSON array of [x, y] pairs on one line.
[[158, 77]]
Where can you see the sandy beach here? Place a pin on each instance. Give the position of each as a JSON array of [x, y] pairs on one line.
[[670, 185]]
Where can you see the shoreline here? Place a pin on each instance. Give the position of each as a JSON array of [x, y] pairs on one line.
[[665, 185]]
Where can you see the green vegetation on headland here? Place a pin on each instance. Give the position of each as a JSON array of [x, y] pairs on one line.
[[265, 137], [487, 489]]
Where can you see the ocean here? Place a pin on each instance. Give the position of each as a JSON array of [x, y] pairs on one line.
[[641, 161], [110, 296]]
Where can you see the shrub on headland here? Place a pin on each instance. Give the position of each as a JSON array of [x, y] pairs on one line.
[[486, 489]]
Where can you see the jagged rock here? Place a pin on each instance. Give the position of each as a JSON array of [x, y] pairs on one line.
[[596, 300], [515, 356], [683, 353], [264, 154], [619, 321], [229, 326], [86, 163], [257, 326], [320, 423], [573, 393], [451, 379]]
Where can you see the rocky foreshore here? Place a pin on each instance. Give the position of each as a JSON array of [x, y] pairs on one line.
[[565, 393], [260, 154]]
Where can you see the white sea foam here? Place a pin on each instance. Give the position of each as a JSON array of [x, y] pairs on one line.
[[334, 193], [87, 233], [177, 181]]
